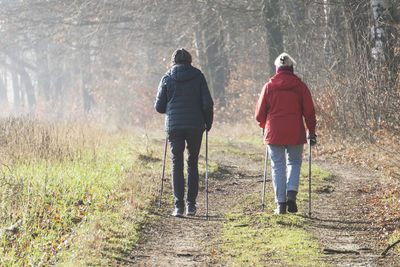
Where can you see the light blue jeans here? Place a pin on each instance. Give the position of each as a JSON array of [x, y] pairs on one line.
[[285, 164]]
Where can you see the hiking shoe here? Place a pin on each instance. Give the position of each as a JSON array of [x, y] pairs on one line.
[[291, 202], [178, 212], [191, 210], [281, 208], [292, 206]]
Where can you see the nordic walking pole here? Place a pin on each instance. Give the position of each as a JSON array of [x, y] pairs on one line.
[[265, 175], [163, 171], [309, 178], [207, 174]]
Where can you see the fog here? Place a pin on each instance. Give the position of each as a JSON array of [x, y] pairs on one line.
[[103, 60]]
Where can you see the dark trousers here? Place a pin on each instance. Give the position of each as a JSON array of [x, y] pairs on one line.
[[177, 140]]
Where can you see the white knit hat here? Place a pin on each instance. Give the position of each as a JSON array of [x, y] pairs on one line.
[[284, 60]]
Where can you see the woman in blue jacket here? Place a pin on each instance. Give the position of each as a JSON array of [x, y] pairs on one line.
[[184, 97]]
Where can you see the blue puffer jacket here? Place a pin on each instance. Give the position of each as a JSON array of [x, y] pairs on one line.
[[184, 96]]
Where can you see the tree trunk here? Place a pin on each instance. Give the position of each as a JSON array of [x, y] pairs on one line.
[[334, 38], [43, 73], [209, 42], [274, 38], [3, 88], [21, 76], [349, 38], [384, 42], [85, 66], [29, 89], [382, 18], [17, 92]]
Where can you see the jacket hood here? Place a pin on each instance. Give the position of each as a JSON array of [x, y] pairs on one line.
[[183, 72], [285, 80]]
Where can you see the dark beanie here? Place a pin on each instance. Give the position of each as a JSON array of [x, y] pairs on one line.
[[181, 56]]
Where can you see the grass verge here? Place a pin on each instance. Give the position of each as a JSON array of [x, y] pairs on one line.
[[72, 195]]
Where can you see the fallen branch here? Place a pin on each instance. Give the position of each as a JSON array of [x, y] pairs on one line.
[[124, 260], [390, 247], [184, 254], [334, 251], [241, 225]]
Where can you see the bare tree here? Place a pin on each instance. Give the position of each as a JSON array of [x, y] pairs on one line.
[[271, 18], [104, 58], [382, 14]]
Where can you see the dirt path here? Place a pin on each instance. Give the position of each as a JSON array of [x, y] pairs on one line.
[[347, 237], [336, 219], [183, 241]]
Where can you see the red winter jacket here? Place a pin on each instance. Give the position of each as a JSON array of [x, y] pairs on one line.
[[283, 103]]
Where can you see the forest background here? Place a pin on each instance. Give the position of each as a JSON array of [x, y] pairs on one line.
[[102, 60]]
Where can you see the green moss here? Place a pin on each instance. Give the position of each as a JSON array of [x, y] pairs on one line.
[[251, 237], [316, 173], [395, 237]]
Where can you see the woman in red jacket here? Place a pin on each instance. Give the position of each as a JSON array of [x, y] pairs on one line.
[[284, 101]]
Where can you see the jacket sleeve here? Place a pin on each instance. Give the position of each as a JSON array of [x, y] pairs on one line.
[[262, 107], [308, 110], [206, 103], [162, 100]]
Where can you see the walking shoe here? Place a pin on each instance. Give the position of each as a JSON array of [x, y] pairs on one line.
[[191, 210], [178, 212], [281, 208], [291, 202], [292, 206]]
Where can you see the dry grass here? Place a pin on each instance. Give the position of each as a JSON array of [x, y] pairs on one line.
[[26, 139], [58, 179]]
